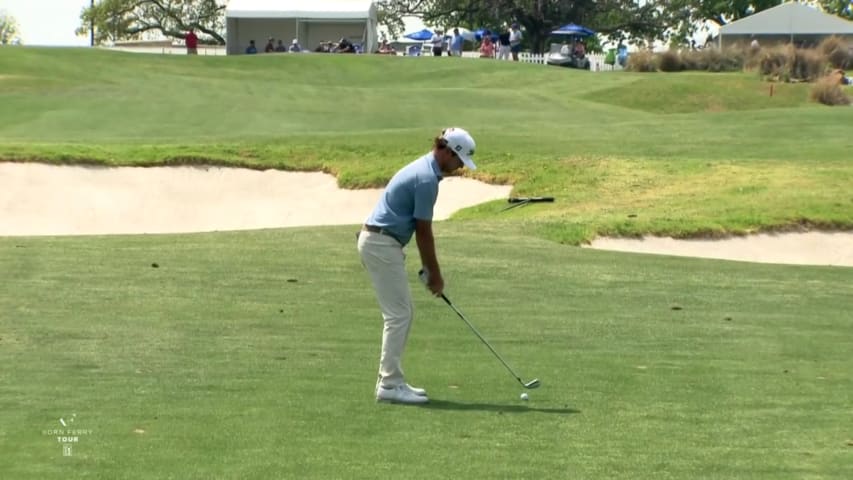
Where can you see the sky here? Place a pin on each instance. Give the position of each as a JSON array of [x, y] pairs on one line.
[[37, 27], [47, 22]]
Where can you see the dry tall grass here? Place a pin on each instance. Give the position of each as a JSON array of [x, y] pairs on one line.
[[670, 61], [790, 64], [828, 91], [642, 61], [837, 52]]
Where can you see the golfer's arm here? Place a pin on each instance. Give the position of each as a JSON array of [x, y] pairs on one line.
[[426, 246]]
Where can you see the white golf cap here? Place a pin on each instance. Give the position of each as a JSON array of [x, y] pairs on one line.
[[461, 143]]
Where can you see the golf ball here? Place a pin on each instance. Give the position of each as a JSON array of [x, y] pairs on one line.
[[524, 396]]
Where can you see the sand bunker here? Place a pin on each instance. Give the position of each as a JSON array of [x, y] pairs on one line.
[[809, 248], [38, 199]]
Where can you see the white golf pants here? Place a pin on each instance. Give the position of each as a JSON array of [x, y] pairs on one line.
[[384, 259]]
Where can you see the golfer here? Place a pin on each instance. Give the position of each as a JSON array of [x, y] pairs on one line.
[[405, 208]]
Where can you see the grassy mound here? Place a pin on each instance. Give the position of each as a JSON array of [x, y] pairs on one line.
[[593, 141]]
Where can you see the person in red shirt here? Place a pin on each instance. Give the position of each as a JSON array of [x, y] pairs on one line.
[[192, 43]]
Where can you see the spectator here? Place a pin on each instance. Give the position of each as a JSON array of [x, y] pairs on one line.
[[621, 54], [456, 43], [487, 48], [564, 49], [515, 41], [503, 46], [251, 49], [280, 46], [345, 46], [386, 49], [192, 42], [437, 42], [295, 47], [754, 44], [580, 49], [839, 76], [270, 47]]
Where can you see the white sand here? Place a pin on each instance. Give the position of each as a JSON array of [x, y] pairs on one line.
[[38, 199], [808, 248]]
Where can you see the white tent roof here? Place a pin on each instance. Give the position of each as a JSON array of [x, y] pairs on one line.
[[317, 9], [789, 18]]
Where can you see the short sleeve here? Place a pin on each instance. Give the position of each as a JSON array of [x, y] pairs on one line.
[[425, 195]]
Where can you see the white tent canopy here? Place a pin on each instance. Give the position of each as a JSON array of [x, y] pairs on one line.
[[310, 22], [789, 20]]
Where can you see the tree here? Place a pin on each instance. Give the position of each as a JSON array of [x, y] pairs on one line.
[[116, 20], [842, 8], [537, 17], [8, 29]]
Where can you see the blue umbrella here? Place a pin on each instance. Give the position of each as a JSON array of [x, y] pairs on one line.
[[478, 34], [572, 29], [422, 35]]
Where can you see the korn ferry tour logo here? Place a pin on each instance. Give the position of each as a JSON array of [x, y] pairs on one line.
[[68, 434]]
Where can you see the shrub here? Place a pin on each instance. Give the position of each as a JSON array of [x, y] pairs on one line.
[[716, 60], [752, 58], [691, 60], [828, 92], [805, 64], [837, 52], [736, 59], [670, 61], [771, 63], [642, 61], [841, 58]]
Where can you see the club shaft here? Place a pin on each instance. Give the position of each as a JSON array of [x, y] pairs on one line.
[[485, 342]]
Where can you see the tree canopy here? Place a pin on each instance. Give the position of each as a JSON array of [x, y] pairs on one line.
[[644, 21], [537, 17], [842, 8], [116, 20], [8, 29]]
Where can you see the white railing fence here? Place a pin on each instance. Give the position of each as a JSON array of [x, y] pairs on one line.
[[596, 60]]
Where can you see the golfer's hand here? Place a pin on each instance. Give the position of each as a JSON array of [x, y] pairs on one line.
[[435, 284]]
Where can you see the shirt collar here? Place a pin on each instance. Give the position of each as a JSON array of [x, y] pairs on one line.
[[434, 164]]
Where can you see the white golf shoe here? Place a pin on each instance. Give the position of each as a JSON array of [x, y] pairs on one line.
[[415, 390], [400, 394]]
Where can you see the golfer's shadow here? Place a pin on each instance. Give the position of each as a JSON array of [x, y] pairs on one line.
[[492, 407]]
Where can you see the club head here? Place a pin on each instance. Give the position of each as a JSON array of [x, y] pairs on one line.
[[532, 384]]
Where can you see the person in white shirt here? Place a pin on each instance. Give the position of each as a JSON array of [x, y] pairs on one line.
[[515, 41], [437, 43]]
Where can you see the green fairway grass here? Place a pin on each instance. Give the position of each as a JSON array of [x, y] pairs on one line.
[[253, 355], [689, 154]]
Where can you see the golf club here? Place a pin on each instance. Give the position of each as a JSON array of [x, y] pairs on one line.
[[424, 276], [522, 201]]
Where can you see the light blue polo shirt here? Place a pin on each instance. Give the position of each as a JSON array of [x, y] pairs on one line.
[[410, 195]]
